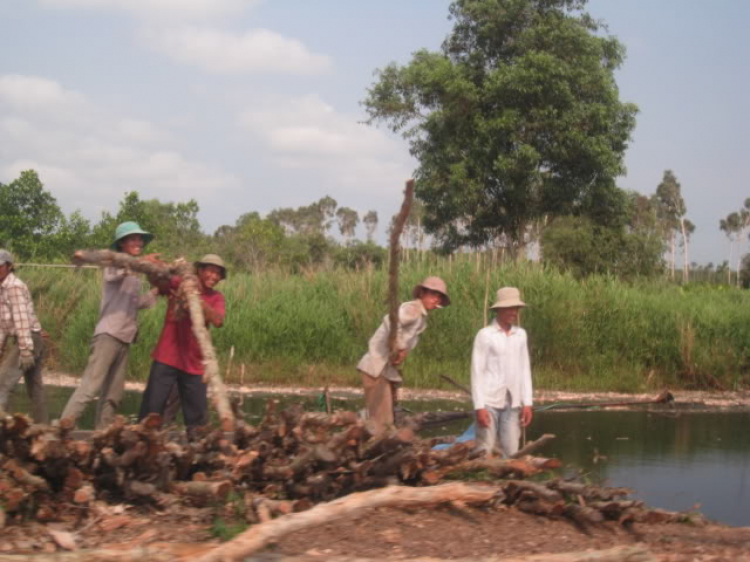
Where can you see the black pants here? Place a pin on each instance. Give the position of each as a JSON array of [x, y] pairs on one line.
[[161, 381]]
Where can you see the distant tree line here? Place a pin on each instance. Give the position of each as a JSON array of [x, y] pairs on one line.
[[638, 234], [33, 226]]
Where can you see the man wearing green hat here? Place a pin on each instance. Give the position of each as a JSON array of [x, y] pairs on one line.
[[104, 376]]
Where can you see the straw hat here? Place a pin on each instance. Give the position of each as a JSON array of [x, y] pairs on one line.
[[508, 297], [6, 257], [213, 259], [433, 284]]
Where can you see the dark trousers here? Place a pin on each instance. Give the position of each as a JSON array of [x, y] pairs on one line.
[[191, 388]]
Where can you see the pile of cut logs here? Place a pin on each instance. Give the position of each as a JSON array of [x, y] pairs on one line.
[[287, 463]]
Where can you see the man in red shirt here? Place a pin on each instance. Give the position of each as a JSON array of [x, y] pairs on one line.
[[177, 356]]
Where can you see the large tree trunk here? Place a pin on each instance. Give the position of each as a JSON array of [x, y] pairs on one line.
[[347, 507], [636, 553], [685, 260], [672, 254]]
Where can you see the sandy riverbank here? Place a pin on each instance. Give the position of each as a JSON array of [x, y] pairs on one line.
[[697, 400]]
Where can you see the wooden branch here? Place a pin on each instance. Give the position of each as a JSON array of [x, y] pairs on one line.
[[24, 477], [636, 553], [109, 258], [349, 506], [211, 375], [396, 230], [152, 554], [456, 384], [534, 445]]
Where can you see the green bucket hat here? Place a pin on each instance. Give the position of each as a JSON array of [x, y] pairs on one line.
[[126, 229]]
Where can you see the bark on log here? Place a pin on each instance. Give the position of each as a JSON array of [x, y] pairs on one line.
[[24, 477], [205, 490], [396, 230], [498, 468], [534, 445], [100, 555], [617, 554], [259, 536], [211, 375], [164, 554], [109, 258]]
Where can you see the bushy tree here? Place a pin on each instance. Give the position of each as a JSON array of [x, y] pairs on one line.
[[175, 226], [517, 118], [671, 211], [348, 220], [252, 244], [360, 255], [371, 223], [29, 217], [315, 218], [629, 248]]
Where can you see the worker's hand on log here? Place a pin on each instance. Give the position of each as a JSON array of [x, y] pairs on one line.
[[483, 417], [526, 415], [26, 360], [399, 357]]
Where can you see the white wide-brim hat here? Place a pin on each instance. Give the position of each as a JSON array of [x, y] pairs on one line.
[[508, 297]]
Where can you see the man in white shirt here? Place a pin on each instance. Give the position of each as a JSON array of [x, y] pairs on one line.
[[381, 371], [501, 377]]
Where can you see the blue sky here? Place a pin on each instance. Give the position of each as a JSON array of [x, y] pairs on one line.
[[250, 105]]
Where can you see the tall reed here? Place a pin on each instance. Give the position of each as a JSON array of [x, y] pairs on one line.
[[311, 329]]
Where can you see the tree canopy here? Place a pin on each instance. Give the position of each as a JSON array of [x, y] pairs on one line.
[[516, 118]]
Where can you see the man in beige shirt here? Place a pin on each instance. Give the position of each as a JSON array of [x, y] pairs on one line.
[[104, 376], [381, 375]]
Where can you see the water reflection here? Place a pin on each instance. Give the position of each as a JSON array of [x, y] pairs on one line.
[[671, 460]]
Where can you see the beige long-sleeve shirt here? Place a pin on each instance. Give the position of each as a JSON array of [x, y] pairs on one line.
[[121, 301], [412, 321]]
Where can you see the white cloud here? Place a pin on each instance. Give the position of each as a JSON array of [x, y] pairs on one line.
[[90, 159], [309, 126], [257, 50], [35, 93], [159, 9], [308, 134]]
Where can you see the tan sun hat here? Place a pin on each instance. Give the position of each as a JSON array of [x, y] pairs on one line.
[[433, 284], [6, 257], [508, 297], [213, 259]]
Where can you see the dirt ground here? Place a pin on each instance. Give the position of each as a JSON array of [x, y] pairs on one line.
[[443, 533]]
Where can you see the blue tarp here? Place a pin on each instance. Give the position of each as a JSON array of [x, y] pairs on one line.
[[468, 435]]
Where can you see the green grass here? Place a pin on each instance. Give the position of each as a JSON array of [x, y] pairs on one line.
[[311, 329]]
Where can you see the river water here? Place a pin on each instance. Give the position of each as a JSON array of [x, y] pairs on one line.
[[672, 459]]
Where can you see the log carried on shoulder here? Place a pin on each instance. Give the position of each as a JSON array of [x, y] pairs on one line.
[[163, 271]]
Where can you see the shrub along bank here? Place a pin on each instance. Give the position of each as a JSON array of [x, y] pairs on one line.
[[310, 329]]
